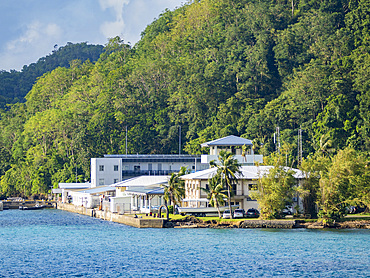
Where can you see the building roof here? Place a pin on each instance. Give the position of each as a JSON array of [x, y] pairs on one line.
[[231, 140], [74, 185], [143, 181], [138, 190], [247, 172], [98, 189]]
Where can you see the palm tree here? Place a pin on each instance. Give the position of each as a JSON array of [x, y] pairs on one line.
[[227, 168], [174, 190], [215, 192]]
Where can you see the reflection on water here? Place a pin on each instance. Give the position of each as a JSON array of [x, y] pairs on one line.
[[55, 243]]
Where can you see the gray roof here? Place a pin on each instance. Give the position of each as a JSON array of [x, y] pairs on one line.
[[231, 140], [143, 181], [145, 191], [247, 172], [98, 189]]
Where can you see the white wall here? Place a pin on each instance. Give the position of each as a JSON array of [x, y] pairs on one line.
[[108, 175]]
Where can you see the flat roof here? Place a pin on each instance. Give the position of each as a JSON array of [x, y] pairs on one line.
[[135, 156], [74, 185], [231, 140]]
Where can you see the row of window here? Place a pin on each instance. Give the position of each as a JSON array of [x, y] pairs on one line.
[[101, 168], [101, 181], [137, 167]]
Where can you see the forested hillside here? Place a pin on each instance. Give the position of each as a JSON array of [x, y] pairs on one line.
[[14, 85], [213, 67]]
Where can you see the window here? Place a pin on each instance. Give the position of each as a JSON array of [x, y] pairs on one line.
[[252, 187], [150, 166], [159, 166], [136, 168], [115, 168], [115, 180], [101, 168], [234, 189], [207, 186], [101, 181]]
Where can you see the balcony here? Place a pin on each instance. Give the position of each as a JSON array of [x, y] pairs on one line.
[[133, 173], [247, 160]]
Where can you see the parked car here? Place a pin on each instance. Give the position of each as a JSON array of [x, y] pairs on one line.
[[239, 213], [226, 214], [252, 212], [288, 210]]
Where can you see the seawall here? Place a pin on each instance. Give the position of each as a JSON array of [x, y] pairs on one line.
[[114, 217]]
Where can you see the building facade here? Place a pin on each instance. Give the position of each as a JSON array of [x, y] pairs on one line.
[[112, 169], [245, 185]]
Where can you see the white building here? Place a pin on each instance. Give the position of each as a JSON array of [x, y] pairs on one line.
[[142, 194], [233, 144], [246, 183], [112, 169]]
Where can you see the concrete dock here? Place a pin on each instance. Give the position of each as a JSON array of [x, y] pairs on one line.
[[114, 217]]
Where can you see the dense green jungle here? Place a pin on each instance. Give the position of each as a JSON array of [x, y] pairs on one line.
[[215, 68]]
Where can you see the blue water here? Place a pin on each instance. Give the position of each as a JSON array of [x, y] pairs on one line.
[[54, 243]]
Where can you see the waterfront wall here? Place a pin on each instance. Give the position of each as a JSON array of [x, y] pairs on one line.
[[274, 224], [114, 217]]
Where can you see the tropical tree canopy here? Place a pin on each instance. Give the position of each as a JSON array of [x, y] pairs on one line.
[[227, 169], [174, 190]]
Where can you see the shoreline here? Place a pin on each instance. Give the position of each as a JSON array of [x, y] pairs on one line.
[[193, 222]]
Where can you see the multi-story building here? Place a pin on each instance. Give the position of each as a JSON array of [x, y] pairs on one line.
[[111, 169]]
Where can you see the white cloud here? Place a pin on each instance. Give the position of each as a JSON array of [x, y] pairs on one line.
[[111, 29], [35, 33], [32, 44]]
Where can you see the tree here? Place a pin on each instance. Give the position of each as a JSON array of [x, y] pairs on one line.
[[215, 192], [312, 167], [227, 169], [174, 190], [275, 189], [346, 183]]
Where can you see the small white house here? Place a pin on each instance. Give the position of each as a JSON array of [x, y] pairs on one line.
[[143, 194], [92, 197]]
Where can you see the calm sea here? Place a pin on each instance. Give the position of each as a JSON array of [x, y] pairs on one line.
[[54, 243]]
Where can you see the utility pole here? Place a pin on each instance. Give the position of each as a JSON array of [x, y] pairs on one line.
[[126, 140], [300, 149], [277, 139], [179, 139]]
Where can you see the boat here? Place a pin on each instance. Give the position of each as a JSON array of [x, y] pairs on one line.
[[37, 206], [200, 207]]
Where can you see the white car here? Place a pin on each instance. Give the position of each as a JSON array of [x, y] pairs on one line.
[[239, 213], [226, 214]]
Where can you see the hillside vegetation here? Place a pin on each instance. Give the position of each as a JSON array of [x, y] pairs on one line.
[[213, 67], [14, 85]]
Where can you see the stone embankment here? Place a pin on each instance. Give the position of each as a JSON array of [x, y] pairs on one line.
[[193, 222]]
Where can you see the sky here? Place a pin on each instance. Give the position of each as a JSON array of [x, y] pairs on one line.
[[29, 29]]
